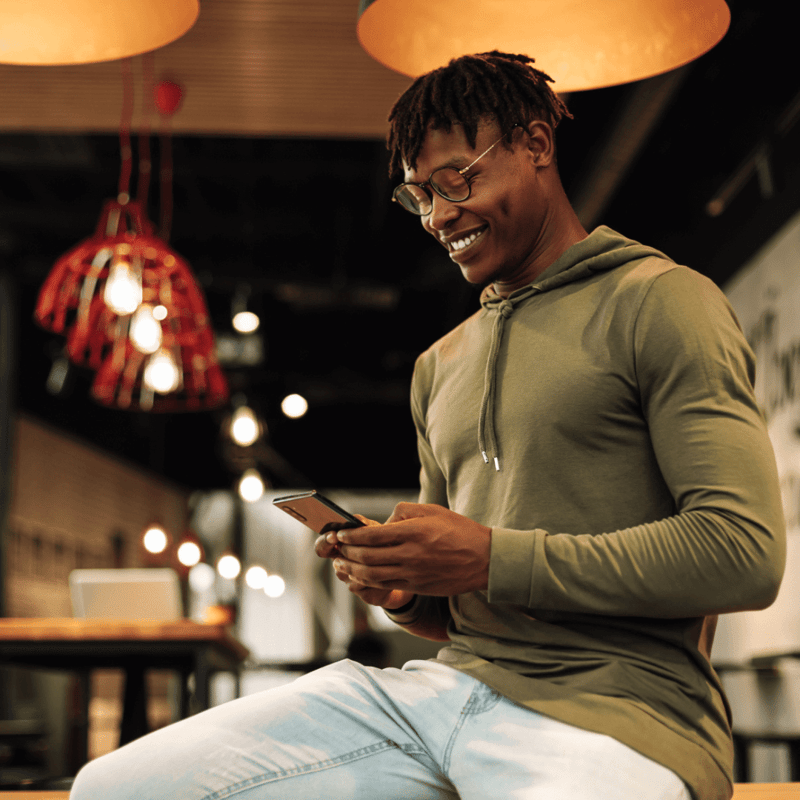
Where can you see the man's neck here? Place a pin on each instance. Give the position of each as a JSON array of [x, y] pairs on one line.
[[556, 240]]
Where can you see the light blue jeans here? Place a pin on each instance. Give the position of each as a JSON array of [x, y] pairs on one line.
[[348, 732]]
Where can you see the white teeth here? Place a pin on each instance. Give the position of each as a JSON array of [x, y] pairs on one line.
[[462, 243]]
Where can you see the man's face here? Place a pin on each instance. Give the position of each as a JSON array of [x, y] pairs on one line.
[[494, 235]]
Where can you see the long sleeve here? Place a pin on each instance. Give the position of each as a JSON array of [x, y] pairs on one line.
[[432, 483], [724, 547], [433, 611]]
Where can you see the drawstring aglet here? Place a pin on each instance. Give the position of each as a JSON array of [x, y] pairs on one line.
[[495, 459]]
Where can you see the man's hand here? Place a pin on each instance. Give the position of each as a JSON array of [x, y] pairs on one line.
[[422, 549], [326, 546]]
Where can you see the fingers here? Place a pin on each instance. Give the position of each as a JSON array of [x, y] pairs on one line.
[[375, 596], [379, 577], [327, 546], [372, 556], [342, 575], [392, 533]]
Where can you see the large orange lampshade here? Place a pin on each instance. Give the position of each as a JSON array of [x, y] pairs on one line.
[[87, 31], [581, 44]]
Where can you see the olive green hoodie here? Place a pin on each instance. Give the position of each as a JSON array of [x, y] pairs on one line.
[[602, 422]]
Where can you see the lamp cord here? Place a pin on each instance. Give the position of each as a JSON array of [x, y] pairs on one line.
[[126, 153], [145, 162]]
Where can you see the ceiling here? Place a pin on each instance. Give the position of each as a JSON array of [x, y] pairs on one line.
[[280, 185]]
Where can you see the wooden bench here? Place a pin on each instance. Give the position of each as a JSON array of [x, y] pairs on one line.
[[742, 791], [764, 791]]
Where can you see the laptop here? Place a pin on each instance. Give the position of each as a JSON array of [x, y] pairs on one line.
[[126, 594]]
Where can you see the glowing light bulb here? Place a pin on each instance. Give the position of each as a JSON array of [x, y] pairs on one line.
[[189, 554], [145, 331], [201, 577], [251, 486], [256, 577], [244, 426], [161, 373], [123, 289], [246, 322], [155, 539], [275, 586], [229, 566], [294, 406]]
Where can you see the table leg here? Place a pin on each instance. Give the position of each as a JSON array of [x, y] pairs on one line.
[[78, 741], [185, 699], [134, 706], [794, 759], [741, 750], [202, 680]]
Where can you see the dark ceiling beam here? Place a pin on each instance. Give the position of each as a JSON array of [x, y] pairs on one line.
[[757, 163], [56, 220], [647, 102], [46, 151]]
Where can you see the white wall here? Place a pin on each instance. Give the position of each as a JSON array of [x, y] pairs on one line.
[[766, 297]]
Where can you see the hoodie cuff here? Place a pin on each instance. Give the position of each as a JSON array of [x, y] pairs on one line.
[[511, 562], [405, 615]]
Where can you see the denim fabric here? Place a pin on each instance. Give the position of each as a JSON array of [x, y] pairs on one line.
[[348, 732]]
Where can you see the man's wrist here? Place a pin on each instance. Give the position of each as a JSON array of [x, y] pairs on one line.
[[401, 608]]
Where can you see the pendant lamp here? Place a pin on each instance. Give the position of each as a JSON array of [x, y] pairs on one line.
[[129, 305], [87, 31], [133, 312], [581, 44]]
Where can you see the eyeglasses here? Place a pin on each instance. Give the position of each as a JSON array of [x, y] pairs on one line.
[[447, 182]]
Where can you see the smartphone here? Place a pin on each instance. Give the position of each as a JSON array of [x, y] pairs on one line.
[[317, 512]]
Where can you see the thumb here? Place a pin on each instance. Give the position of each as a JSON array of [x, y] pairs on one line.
[[370, 523]]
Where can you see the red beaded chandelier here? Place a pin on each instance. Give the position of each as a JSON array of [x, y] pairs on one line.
[[131, 308]]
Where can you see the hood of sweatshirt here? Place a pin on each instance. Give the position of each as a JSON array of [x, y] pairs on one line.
[[601, 250]]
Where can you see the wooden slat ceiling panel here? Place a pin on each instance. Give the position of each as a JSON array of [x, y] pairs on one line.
[[249, 67]]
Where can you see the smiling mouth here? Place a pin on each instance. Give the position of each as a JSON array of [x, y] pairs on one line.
[[459, 245]]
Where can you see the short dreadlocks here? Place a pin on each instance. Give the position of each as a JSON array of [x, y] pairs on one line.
[[499, 85]]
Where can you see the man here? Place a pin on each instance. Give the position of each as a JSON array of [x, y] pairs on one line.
[[596, 485]]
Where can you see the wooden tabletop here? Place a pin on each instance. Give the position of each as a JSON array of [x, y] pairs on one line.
[[34, 795], [67, 629]]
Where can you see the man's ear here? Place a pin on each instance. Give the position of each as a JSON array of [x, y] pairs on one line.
[[540, 142]]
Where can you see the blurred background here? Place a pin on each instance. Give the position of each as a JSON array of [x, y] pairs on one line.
[[281, 192], [278, 198]]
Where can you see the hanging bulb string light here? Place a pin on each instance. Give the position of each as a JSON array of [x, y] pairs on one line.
[[129, 305], [186, 346], [72, 282], [243, 319], [182, 357], [138, 268], [68, 300]]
